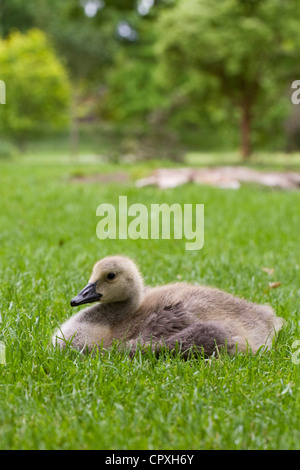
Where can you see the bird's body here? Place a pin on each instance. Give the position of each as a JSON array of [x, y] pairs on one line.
[[184, 314]]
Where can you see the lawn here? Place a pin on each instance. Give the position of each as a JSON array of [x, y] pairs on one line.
[[63, 400]]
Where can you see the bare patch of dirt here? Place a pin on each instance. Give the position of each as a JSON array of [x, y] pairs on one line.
[[229, 177], [104, 178]]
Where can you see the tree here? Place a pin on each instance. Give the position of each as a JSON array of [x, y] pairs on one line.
[[37, 86], [249, 47], [16, 15]]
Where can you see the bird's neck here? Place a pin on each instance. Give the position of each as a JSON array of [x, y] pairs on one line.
[[113, 313]]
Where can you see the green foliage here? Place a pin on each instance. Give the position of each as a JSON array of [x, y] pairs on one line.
[[37, 86], [86, 44], [132, 91], [16, 15], [228, 40]]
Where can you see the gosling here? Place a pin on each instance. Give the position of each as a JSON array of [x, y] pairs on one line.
[[172, 316]]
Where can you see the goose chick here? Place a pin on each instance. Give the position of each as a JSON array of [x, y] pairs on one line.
[[195, 316]]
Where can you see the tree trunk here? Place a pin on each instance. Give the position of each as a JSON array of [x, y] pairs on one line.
[[246, 149], [21, 143]]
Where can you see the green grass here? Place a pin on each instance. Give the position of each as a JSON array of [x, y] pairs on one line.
[[62, 400]]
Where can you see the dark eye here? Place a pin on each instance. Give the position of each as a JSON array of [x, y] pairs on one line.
[[111, 276]]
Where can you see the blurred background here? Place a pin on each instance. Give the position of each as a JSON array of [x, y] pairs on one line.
[[132, 80]]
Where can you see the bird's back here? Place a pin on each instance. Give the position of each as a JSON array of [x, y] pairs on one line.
[[167, 309]]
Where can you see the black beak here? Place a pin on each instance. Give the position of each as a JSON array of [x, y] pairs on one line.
[[87, 295]]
